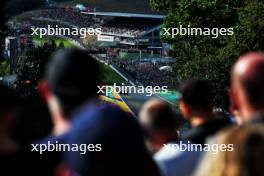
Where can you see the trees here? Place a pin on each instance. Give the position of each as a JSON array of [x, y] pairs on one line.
[[14, 7], [3, 27], [206, 57], [31, 68]]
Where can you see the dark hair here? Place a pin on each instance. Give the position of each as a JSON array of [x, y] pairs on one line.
[[197, 94], [162, 117], [73, 77], [253, 86]]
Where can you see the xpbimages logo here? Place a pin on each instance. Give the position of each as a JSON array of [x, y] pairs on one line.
[[59, 147], [182, 31], [58, 31], [129, 89]]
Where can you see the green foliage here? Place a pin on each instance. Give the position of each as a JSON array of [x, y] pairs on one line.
[[3, 27], [58, 41], [4, 68], [211, 58], [31, 68], [109, 76], [14, 7]]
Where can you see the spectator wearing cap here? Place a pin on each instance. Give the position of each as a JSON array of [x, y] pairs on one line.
[[160, 126], [196, 106]]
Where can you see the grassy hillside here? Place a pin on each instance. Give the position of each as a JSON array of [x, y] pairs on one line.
[[57, 40], [110, 76]]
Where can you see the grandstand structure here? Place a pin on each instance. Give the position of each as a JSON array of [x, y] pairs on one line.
[[129, 42], [125, 30], [129, 29]]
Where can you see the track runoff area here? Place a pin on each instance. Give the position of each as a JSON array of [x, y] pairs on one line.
[[132, 102], [116, 99]]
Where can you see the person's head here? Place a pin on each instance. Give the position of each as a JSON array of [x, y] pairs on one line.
[[72, 77], [244, 154], [196, 99], [247, 85], [116, 143], [159, 123]]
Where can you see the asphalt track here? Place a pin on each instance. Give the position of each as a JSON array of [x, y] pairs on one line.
[[135, 101]]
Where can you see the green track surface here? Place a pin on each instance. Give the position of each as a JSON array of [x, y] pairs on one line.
[[110, 76], [171, 96]]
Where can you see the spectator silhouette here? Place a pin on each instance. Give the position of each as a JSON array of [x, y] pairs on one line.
[[11, 152], [196, 105], [243, 155], [123, 151], [71, 80], [247, 85], [160, 126]]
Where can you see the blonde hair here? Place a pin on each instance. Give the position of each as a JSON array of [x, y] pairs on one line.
[[245, 160]]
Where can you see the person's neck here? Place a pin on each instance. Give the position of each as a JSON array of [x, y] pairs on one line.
[[168, 138], [200, 119]]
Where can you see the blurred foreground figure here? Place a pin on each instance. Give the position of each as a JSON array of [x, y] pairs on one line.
[[160, 126], [247, 88], [71, 80], [7, 120], [196, 105], [15, 157], [245, 157], [116, 144], [11, 153]]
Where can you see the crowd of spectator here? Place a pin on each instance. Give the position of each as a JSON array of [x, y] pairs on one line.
[[150, 74], [69, 15], [146, 73], [41, 23], [116, 144], [112, 25], [120, 26]]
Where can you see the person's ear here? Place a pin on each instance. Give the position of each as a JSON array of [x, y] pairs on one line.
[[234, 100], [184, 109], [234, 107], [43, 89]]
